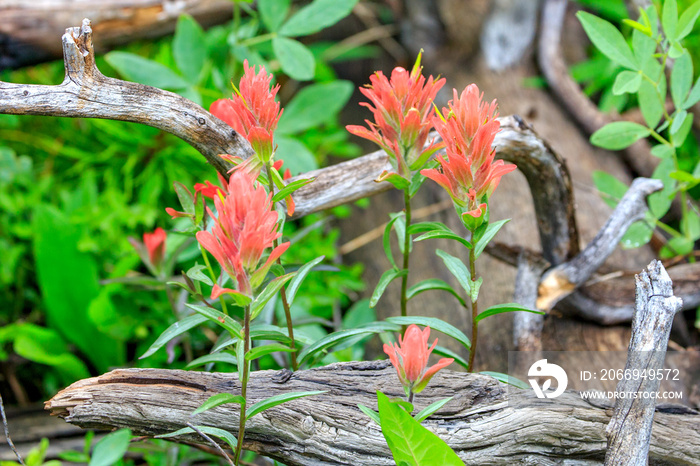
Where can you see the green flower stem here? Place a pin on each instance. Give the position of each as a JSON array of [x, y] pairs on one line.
[[475, 308], [406, 251], [213, 278], [283, 290], [244, 385], [410, 396], [259, 39]]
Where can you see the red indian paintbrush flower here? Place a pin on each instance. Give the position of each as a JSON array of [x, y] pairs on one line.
[[246, 225], [410, 358], [253, 113], [402, 110], [155, 245], [468, 128]]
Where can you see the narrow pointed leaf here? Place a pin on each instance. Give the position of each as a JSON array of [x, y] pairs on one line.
[[607, 39], [273, 401], [446, 235], [386, 241], [369, 412], [176, 329], [220, 318], [386, 278], [433, 284], [224, 435], [218, 400], [223, 356], [270, 290], [299, 278], [264, 350], [501, 308], [424, 413], [457, 268], [448, 353], [330, 340], [505, 378], [434, 324], [687, 20], [290, 188]]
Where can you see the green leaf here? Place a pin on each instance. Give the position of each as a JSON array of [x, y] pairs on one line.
[[660, 201], [328, 341], [299, 278], [370, 412], [111, 448], [627, 82], [687, 20], [71, 456], [646, 30], [607, 39], [433, 284], [678, 246], [694, 96], [220, 318], [176, 329], [195, 273], [386, 241], [218, 400], [290, 188], [651, 108], [430, 409], [216, 432], [488, 235], [317, 16], [428, 226], [682, 132], [313, 105], [678, 121], [643, 47], [639, 233], [681, 79], [223, 357], [435, 324], [501, 308], [400, 229], [446, 235], [386, 278], [270, 290], [619, 135], [296, 156], [669, 18], [611, 189], [68, 280], [662, 151], [442, 351], [273, 13], [273, 401], [457, 268], [189, 48], [185, 197], [264, 350], [690, 225], [410, 442], [142, 70], [296, 60], [505, 378]]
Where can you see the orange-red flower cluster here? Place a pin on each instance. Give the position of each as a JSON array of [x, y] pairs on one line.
[[469, 174], [402, 110], [245, 226], [410, 358], [253, 113]]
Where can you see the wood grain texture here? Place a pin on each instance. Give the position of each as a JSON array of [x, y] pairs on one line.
[[629, 431], [486, 422]]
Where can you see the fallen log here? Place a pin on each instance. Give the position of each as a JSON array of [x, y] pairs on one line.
[[329, 429]]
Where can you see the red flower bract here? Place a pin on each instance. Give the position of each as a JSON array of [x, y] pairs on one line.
[[245, 226], [402, 109], [468, 128], [252, 112], [155, 244], [410, 358]]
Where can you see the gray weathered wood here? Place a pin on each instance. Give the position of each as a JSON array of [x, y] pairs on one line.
[[563, 279], [527, 327], [629, 431], [329, 429]]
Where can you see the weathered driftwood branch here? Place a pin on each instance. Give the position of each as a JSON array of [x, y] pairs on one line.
[[328, 429], [86, 92], [28, 30], [527, 327], [565, 278], [629, 431]]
